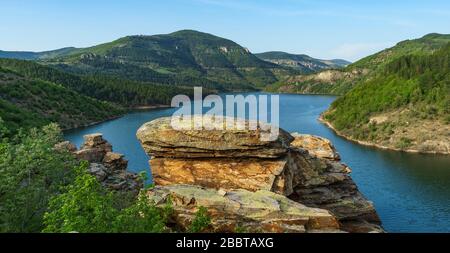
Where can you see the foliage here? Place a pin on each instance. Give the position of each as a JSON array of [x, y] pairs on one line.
[[364, 69], [125, 92], [201, 221], [31, 173], [183, 58], [304, 64], [425, 45], [27, 102], [86, 206], [420, 83]]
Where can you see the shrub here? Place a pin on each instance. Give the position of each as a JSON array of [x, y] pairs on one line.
[[201, 221]]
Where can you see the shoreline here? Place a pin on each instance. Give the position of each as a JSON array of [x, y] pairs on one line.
[[148, 107], [136, 108], [374, 145]]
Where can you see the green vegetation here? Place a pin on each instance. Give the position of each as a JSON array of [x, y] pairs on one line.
[[357, 72], [32, 172], [42, 189], [28, 102], [86, 206], [124, 92], [201, 221], [303, 63], [412, 88], [425, 45], [183, 58]]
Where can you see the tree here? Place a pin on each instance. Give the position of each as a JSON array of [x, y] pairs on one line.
[[31, 173]]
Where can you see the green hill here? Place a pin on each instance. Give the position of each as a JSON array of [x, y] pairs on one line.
[[184, 58], [341, 81], [32, 94], [27, 102], [405, 104], [127, 93], [425, 45], [303, 63]]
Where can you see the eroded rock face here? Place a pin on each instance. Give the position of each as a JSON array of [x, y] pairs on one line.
[[94, 148], [228, 159], [316, 146], [260, 211], [251, 174], [108, 167], [307, 170]]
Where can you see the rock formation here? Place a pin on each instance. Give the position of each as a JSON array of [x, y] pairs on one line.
[[304, 168], [108, 167], [231, 211], [316, 146]]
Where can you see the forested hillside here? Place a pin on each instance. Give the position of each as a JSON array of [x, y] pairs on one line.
[[183, 58], [339, 82], [127, 93], [303, 63], [405, 104], [29, 102]]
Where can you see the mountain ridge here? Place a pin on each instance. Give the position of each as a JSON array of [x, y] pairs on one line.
[[345, 79], [302, 62]]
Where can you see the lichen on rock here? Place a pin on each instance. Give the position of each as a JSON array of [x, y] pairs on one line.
[[303, 168]]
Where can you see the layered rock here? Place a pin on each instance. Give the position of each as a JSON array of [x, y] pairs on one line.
[[228, 159], [316, 146], [231, 211], [108, 167], [94, 148], [160, 139], [303, 168]]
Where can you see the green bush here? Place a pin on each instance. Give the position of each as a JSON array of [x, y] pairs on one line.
[[88, 207], [201, 221], [31, 173]]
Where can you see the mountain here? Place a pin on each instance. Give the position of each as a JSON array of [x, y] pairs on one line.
[[301, 62], [342, 80], [31, 102], [405, 104], [21, 55], [186, 58], [427, 44]]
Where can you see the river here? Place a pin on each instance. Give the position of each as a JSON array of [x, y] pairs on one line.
[[411, 192]]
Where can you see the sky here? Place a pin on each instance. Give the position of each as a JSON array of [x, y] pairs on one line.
[[325, 29]]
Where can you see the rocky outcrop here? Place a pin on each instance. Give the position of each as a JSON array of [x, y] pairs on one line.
[[231, 211], [228, 159], [316, 146], [161, 140], [108, 167], [303, 168]]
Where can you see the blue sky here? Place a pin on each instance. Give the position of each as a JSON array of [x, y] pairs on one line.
[[321, 28]]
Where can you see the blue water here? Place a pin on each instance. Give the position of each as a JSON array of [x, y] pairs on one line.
[[411, 192]]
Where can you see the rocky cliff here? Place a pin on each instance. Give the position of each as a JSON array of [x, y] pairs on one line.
[[295, 183]]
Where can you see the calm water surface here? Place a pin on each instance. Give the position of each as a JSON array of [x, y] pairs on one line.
[[411, 192]]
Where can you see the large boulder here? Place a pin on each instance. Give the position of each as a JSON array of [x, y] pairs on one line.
[[303, 168], [230, 211], [159, 139]]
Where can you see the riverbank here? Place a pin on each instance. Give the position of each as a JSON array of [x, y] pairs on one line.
[[370, 144], [135, 108], [149, 107]]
